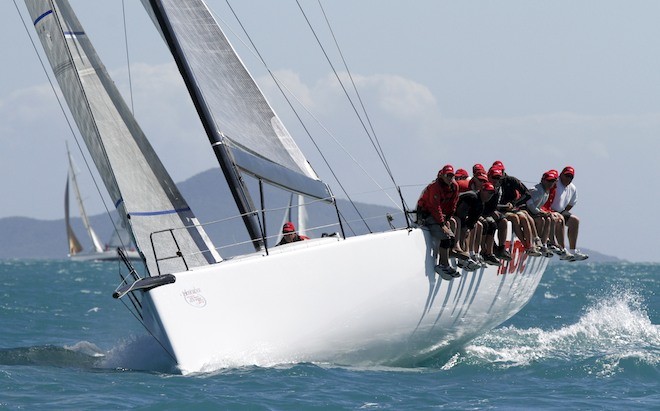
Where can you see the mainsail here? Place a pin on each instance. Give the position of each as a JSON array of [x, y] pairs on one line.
[[143, 192], [245, 133]]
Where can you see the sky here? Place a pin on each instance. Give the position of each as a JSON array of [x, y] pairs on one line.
[[537, 85]]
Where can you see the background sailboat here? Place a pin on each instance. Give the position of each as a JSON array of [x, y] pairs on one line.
[[371, 298], [99, 252]]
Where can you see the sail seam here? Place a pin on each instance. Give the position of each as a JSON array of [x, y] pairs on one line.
[[163, 212]]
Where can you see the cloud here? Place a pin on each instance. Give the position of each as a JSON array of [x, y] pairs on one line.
[[34, 131]]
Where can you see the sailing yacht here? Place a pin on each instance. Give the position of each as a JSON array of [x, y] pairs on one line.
[[357, 300], [99, 252]]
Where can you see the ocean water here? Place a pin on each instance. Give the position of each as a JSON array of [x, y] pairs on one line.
[[589, 339]]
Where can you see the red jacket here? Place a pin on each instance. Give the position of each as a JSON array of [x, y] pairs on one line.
[[551, 197], [439, 200], [463, 185]]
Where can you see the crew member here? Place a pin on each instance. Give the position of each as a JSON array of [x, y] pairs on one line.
[[289, 234]]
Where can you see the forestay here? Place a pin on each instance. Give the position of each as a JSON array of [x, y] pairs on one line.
[[238, 111], [140, 187]]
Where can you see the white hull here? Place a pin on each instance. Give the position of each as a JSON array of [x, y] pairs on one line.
[[372, 299], [109, 255]]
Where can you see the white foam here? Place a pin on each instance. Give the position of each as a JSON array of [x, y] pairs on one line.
[[614, 328], [85, 347], [139, 353]]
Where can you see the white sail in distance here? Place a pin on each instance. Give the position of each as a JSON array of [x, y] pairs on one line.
[[74, 245], [138, 184], [96, 242]]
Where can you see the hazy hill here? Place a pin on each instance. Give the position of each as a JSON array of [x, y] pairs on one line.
[[211, 201]]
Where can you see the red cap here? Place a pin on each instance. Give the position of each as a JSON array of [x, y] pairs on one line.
[[498, 164], [462, 173], [551, 175], [289, 228], [448, 169], [481, 177], [488, 186], [478, 168], [568, 170], [495, 172]]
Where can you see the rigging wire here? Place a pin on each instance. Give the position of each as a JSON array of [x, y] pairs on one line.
[[128, 60], [281, 85], [373, 138], [68, 121], [377, 145], [341, 83], [297, 115]]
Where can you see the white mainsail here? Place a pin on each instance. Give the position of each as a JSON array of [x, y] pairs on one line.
[[237, 108], [245, 133], [138, 184]]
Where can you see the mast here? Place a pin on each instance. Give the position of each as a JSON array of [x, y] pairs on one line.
[[236, 183]]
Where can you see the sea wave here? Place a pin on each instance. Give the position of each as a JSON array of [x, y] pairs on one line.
[[614, 330], [82, 355], [140, 353]]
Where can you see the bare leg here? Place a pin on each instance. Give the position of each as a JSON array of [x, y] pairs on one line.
[[546, 229], [490, 240], [539, 222], [515, 224], [477, 234], [559, 231], [470, 240], [532, 227], [573, 224], [464, 235], [528, 228], [455, 224], [502, 232]]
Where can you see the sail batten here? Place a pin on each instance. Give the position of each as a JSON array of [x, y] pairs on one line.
[[135, 178]]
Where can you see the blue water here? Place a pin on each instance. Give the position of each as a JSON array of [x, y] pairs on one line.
[[589, 339]]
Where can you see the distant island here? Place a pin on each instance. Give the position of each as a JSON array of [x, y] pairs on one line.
[[29, 238]]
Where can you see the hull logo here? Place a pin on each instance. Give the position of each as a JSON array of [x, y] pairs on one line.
[[194, 297], [518, 259]]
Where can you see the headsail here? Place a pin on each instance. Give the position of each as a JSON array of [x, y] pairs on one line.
[[143, 192], [242, 127]]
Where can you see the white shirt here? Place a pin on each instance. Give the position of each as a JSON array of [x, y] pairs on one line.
[[538, 197], [564, 197]]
